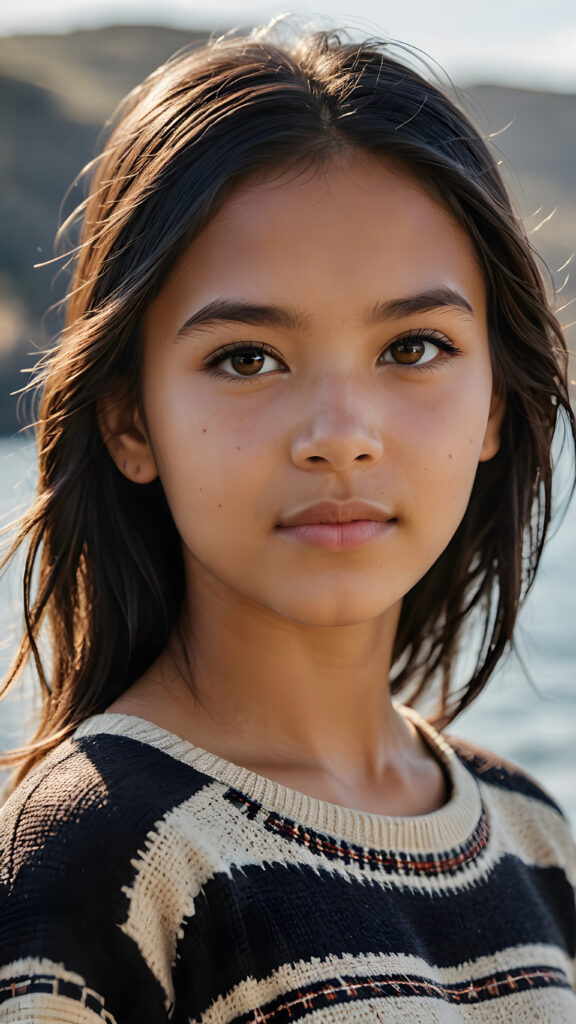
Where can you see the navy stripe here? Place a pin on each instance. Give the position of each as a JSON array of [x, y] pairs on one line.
[[258, 918], [298, 1003]]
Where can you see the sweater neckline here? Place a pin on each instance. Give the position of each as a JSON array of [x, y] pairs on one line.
[[438, 831]]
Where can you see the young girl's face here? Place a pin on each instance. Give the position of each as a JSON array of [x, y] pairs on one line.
[[323, 340]]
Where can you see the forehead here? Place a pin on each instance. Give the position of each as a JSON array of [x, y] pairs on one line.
[[354, 230]]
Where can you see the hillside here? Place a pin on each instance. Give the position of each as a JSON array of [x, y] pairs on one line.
[[56, 92]]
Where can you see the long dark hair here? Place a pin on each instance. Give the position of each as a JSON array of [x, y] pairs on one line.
[[104, 553]]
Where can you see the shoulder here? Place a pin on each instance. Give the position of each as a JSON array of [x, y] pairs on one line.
[[90, 802], [72, 837], [525, 823], [496, 772]]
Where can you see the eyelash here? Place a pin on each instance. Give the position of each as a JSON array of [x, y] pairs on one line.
[[439, 340]]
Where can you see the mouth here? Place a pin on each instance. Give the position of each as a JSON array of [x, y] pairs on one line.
[[337, 513], [337, 527], [338, 536]]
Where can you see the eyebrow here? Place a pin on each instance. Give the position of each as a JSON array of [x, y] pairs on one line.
[[252, 313], [258, 315], [423, 302]]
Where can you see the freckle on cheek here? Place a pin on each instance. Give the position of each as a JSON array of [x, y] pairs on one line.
[[238, 448], [203, 430], [450, 455]]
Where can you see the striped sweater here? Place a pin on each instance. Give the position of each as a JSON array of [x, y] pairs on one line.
[[144, 880]]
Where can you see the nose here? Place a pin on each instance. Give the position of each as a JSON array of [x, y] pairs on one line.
[[339, 429]]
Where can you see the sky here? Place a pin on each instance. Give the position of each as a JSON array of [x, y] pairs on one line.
[[517, 42]]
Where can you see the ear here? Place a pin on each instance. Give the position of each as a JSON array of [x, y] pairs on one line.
[[125, 437], [491, 443]]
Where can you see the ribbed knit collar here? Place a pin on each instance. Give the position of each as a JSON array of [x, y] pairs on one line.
[[440, 831]]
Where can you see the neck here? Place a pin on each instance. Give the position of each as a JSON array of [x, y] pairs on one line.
[[307, 706], [271, 690]]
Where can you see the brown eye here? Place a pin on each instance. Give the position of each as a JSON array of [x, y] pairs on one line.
[[416, 348], [244, 360], [408, 350], [247, 362]]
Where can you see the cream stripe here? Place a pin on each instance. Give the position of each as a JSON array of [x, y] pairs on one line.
[[207, 835], [542, 1006], [194, 841], [448, 826], [45, 1009], [533, 831], [250, 992], [545, 833], [403, 1011], [33, 965]]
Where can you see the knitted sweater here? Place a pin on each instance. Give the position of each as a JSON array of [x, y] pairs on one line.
[[144, 880]]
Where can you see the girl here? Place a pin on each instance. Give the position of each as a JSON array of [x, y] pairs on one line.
[[296, 432]]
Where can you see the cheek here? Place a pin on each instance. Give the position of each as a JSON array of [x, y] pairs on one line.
[[445, 443], [209, 459]]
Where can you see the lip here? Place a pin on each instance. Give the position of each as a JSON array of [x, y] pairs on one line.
[[334, 512], [337, 527], [338, 536]]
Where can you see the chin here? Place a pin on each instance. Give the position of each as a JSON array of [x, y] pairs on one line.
[[330, 610]]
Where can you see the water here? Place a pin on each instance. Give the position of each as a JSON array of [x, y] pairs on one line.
[[530, 722]]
